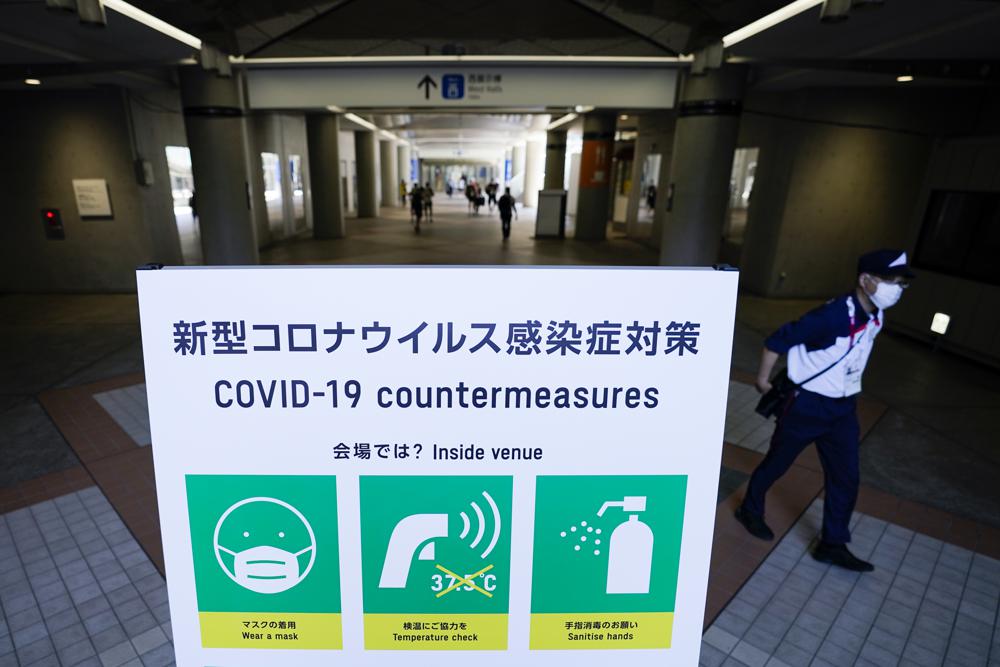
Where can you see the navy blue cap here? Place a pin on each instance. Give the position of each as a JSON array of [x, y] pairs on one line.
[[886, 262]]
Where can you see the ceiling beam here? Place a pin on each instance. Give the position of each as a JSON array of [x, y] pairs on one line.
[[299, 26], [583, 4]]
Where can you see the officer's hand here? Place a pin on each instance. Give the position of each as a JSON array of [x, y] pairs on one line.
[[763, 386]]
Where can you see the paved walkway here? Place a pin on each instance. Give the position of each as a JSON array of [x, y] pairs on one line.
[[928, 603], [76, 589], [73, 434]]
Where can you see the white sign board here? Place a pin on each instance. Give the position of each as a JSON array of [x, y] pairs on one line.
[[92, 198], [361, 465], [460, 86]]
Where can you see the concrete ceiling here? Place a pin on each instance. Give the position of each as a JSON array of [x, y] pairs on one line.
[[55, 46], [433, 27], [944, 42]]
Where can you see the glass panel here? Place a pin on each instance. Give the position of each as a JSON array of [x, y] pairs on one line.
[[298, 196], [961, 235], [740, 190], [271, 165]]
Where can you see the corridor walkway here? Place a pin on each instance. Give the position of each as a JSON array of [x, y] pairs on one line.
[[81, 580]]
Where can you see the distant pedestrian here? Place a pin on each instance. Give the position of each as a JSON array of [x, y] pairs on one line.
[[507, 208], [477, 198], [402, 192], [828, 350], [429, 201], [470, 194], [491, 193], [416, 206]]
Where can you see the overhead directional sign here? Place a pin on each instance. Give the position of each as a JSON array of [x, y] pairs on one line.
[[454, 85]]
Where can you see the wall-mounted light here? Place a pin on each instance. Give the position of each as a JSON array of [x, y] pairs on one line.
[[904, 78], [940, 322], [33, 82], [624, 116]]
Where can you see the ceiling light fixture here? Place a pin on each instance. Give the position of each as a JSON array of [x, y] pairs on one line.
[[769, 21], [150, 21], [485, 60], [33, 82], [355, 118], [368, 125], [904, 78], [558, 122]]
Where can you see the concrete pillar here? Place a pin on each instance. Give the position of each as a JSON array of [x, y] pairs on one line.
[[364, 143], [534, 168], [390, 180], [555, 160], [705, 139], [323, 136], [403, 158], [595, 176], [255, 169], [213, 119]]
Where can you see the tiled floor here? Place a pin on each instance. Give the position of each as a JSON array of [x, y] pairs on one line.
[[77, 590], [744, 427], [113, 459], [927, 603], [128, 407]]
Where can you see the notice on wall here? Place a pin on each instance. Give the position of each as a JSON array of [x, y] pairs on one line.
[[389, 466], [92, 197]]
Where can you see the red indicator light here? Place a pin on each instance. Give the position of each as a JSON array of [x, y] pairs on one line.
[[50, 214]]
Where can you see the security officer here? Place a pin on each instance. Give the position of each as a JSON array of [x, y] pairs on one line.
[[827, 351]]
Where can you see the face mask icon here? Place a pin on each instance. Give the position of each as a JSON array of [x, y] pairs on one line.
[[261, 543]]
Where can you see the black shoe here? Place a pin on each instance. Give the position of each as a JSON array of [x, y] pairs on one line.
[[754, 524], [837, 554]]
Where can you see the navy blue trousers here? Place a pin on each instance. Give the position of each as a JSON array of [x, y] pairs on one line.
[[832, 423]]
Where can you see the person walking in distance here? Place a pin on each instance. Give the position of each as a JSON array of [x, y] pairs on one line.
[[491, 193], [429, 202], [402, 192], [470, 194], [828, 349], [507, 208], [416, 206]]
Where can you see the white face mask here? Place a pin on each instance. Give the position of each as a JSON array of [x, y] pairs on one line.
[[266, 569], [886, 295]]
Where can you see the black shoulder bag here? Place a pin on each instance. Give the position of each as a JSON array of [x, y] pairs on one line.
[[782, 387]]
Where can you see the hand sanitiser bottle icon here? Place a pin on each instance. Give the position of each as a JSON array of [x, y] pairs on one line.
[[630, 557]]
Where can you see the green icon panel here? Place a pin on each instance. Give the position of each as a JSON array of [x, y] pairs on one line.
[[435, 561], [266, 560], [606, 558]]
